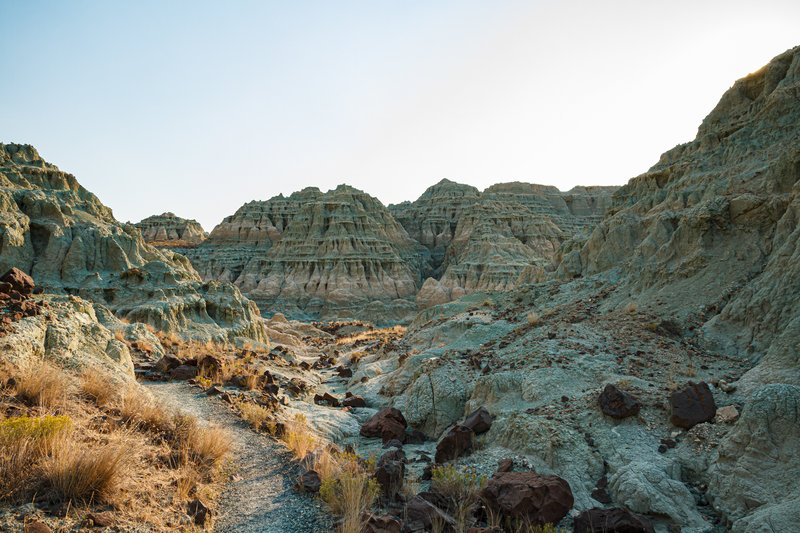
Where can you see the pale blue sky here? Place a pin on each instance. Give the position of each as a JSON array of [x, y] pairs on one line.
[[197, 107]]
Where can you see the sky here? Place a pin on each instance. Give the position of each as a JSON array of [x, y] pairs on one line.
[[197, 107]]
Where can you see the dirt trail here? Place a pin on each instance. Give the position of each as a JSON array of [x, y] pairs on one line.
[[260, 498]]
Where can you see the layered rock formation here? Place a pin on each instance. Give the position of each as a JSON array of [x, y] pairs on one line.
[[333, 254], [61, 234], [342, 254], [168, 230]]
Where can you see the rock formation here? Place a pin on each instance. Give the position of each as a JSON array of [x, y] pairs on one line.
[[342, 254], [168, 230], [62, 235]]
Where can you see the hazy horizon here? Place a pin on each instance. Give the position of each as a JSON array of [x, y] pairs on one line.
[[196, 108]]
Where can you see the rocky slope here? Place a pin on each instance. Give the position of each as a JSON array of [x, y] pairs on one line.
[[61, 234], [692, 277], [168, 230], [333, 254]]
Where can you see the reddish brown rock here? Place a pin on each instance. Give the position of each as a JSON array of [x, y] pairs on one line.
[[617, 403], [479, 421], [104, 519], [528, 497], [183, 372], [692, 405], [390, 470], [456, 443], [37, 527], [327, 398], [387, 424], [19, 281], [309, 482], [199, 511], [381, 524], [354, 401], [422, 514], [613, 520]]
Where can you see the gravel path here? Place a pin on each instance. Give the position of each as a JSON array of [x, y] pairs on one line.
[[260, 498]]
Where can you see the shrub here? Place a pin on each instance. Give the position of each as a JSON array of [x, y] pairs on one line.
[[43, 384], [75, 472], [461, 487], [204, 444], [137, 408], [533, 318], [97, 386], [299, 438], [253, 414], [23, 441], [349, 495]]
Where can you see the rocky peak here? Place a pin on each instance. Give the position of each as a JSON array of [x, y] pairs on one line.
[[172, 231], [61, 234]]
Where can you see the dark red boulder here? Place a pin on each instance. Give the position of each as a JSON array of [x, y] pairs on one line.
[[387, 424], [479, 421], [354, 401], [527, 497], [19, 280], [692, 405], [617, 403], [309, 482], [380, 524], [613, 520], [456, 443]]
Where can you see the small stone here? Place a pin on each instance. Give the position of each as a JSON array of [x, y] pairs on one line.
[[198, 510], [728, 414], [37, 527], [104, 519]]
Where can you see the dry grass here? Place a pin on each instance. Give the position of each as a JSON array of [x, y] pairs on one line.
[[631, 307], [23, 441], [253, 414], [137, 408], [119, 335], [98, 387], [299, 438], [461, 487], [76, 472], [349, 495], [44, 385], [188, 479], [205, 444], [533, 318]]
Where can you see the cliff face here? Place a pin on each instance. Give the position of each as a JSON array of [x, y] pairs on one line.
[[168, 230], [61, 234], [712, 229]]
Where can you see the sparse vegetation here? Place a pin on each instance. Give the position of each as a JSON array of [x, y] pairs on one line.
[[95, 385], [253, 414], [349, 495], [43, 384], [299, 438], [461, 487], [533, 318]]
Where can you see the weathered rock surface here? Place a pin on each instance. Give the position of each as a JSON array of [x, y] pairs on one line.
[[753, 480], [617, 403], [337, 254], [613, 520], [171, 231], [692, 405], [528, 497], [58, 232], [386, 424]]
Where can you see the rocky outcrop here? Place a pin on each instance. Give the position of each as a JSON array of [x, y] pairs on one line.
[[62, 235], [754, 478], [168, 230], [337, 254], [711, 230], [496, 239]]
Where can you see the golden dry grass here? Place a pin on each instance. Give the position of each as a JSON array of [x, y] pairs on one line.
[[349, 495], [44, 385], [299, 437], [98, 387], [253, 414], [137, 408], [76, 472]]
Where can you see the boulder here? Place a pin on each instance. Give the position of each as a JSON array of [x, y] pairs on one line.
[[456, 443], [613, 520], [327, 398], [309, 482], [422, 514], [199, 511], [354, 401], [380, 524], [728, 414], [19, 281], [479, 421], [37, 527], [617, 403], [692, 405], [528, 497], [104, 519], [390, 470], [183, 372], [387, 424]]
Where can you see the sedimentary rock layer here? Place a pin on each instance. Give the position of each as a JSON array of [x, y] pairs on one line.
[[171, 231], [61, 234]]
